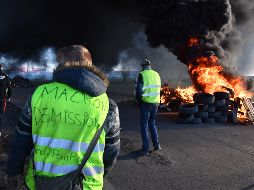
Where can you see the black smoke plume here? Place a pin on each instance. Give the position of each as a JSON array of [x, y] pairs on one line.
[[104, 26], [172, 23]]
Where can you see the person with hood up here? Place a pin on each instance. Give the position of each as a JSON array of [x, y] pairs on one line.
[[59, 122]]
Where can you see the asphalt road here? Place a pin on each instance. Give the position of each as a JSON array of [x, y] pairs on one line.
[[193, 157], [202, 157]]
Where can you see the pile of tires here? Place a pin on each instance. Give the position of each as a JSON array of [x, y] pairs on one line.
[[187, 114], [207, 108], [205, 103], [221, 104]]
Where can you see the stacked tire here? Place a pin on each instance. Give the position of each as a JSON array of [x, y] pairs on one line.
[[221, 103], [187, 114], [205, 103], [207, 108]]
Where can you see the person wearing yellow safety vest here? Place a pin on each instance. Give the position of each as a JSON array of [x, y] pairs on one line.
[[59, 121], [148, 86]]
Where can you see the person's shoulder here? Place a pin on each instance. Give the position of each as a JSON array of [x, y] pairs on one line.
[[112, 104], [156, 72], [140, 76]]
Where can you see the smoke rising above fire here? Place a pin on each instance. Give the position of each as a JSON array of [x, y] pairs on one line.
[[172, 23], [161, 60], [107, 27], [243, 49], [199, 33]]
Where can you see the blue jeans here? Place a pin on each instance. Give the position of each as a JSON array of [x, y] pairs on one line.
[[148, 115]]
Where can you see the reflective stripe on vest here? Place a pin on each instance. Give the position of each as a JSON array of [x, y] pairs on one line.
[[151, 94], [66, 144], [62, 170], [64, 122], [151, 86]]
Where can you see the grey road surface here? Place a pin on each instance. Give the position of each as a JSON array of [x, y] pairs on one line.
[[193, 157]]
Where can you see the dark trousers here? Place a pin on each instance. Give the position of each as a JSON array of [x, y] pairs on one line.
[[148, 116]]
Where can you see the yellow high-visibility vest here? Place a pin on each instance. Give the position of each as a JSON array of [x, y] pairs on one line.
[[151, 86], [64, 121]]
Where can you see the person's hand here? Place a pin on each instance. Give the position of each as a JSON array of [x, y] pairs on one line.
[[8, 99], [12, 182]]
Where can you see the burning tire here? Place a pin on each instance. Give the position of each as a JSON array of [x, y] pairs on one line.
[[202, 115], [208, 120], [188, 109], [174, 104], [227, 100], [220, 102], [195, 96], [196, 120], [225, 113], [223, 108], [204, 98], [203, 107], [185, 119], [211, 108], [221, 95], [221, 119], [214, 114]]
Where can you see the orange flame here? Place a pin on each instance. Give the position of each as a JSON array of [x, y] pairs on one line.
[[208, 73], [165, 91], [187, 93], [193, 42]]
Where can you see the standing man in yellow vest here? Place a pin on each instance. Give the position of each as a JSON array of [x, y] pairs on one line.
[[59, 121], [148, 97]]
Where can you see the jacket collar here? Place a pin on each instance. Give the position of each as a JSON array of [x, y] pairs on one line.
[[81, 79], [148, 67]]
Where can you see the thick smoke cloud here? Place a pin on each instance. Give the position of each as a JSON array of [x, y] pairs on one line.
[[212, 22], [105, 26], [242, 50], [108, 26], [172, 23], [225, 27]]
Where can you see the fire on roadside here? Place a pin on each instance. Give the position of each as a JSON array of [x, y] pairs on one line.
[[208, 76]]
